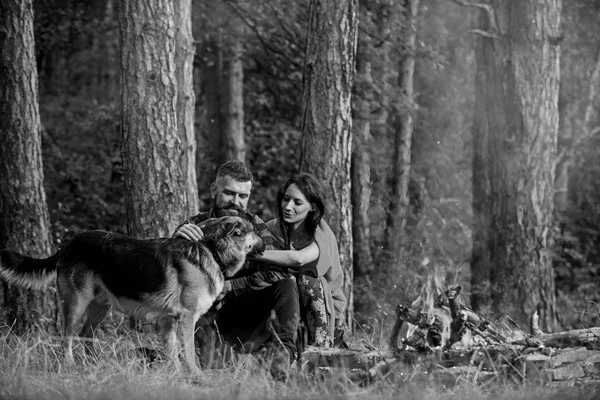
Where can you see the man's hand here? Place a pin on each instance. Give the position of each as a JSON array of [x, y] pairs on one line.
[[190, 232], [226, 289], [217, 304]]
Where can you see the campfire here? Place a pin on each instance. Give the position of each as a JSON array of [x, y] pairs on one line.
[[438, 333]]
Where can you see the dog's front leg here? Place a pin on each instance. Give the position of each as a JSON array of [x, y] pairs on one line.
[[185, 328], [168, 329]]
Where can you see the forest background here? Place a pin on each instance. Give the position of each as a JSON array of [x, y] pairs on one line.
[[255, 51]]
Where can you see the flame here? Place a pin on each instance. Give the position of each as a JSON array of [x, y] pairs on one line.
[[428, 295]]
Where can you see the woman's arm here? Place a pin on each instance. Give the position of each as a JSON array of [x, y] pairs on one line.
[[293, 259]]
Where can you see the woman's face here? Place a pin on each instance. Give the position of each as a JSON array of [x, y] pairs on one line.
[[295, 205]]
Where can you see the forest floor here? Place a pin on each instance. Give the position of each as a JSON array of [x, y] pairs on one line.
[[31, 368]]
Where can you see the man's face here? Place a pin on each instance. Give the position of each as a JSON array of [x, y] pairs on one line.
[[226, 191]]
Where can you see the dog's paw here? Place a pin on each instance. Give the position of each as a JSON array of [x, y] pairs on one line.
[[149, 355]]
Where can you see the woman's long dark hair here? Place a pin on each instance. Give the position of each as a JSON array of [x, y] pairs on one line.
[[311, 188]]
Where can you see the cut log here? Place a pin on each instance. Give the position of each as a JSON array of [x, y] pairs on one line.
[[314, 357], [588, 338]]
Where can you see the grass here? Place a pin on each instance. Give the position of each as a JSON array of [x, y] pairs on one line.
[[31, 368]]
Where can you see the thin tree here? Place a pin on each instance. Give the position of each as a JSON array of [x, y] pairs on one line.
[[515, 135], [184, 63], [209, 154], [234, 143], [403, 122], [579, 100], [327, 121], [156, 195], [361, 155], [220, 107], [24, 220]]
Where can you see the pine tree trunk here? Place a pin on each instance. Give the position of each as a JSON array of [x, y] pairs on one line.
[[184, 63], [233, 106], [580, 115], [515, 135], [156, 196], [361, 159], [327, 121], [24, 220], [403, 124], [208, 113]]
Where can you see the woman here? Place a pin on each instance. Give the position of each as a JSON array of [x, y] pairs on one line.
[[307, 248]]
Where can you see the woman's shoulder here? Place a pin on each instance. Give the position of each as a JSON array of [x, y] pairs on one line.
[[274, 227], [324, 228]]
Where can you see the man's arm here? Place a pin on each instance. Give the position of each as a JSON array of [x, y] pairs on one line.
[[261, 278], [256, 281], [262, 230]]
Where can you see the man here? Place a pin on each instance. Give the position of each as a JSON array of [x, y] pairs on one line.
[[258, 309]]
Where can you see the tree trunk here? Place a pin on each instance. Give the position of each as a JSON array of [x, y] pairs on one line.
[[361, 159], [184, 64], [578, 119], [515, 134], [106, 85], [24, 220], [208, 113], [403, 125], [156, 196], [327, 121], [233, 106]]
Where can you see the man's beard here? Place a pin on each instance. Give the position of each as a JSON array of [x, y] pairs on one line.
[[231, 210]]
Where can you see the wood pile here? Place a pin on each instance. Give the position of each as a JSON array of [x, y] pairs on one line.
[[452, 343]]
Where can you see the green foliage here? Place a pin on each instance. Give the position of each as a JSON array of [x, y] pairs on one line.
[[82, 166]]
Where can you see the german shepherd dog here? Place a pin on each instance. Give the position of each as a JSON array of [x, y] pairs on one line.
[[168, 281]]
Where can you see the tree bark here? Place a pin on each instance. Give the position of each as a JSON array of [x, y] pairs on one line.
[[404, 121], [581, 126], [184, 64], [24, 219], [233, 106], [327, 122], [361, 159], [515, 133], [208, 111], [156, 196]]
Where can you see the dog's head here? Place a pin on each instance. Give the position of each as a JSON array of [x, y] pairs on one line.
[[231, 238]]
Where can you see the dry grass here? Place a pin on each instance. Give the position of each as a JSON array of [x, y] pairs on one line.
[[31, 368]]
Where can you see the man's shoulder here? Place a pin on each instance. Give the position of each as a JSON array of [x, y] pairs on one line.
[[259, 224]]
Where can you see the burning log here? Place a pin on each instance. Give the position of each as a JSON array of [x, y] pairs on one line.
[[452, 323]]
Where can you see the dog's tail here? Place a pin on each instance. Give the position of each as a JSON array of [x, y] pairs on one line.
[[25, 271]]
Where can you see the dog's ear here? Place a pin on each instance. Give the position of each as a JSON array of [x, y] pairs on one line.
[[233, 227], [211, 225]]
